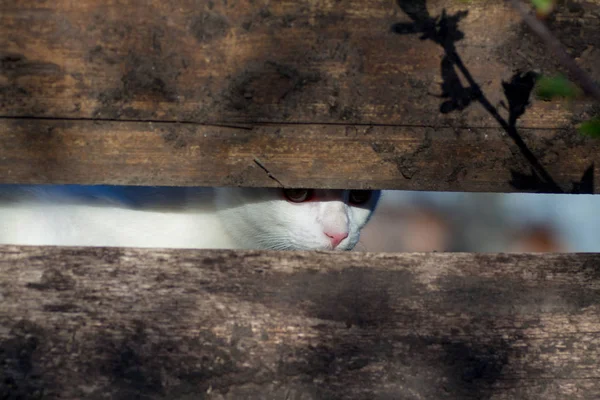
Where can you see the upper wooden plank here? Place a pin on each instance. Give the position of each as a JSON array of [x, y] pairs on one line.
[[225, 61], [336, 94]]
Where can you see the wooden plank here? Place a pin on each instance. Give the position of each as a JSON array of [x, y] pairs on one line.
[[89, 323], [331, 93], [249, 61], [297, 155]]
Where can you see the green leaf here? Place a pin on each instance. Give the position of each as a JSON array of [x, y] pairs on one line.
[[590, 128], [557, 86], [543, 7]]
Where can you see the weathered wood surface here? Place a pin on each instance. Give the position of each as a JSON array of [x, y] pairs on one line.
[[318, 72], [251, 61], [295, 155], [83, 323]]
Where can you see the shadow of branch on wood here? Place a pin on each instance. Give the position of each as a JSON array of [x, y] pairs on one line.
[[444, 31]]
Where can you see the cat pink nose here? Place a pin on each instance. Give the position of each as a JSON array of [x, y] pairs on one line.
[[336, 238]]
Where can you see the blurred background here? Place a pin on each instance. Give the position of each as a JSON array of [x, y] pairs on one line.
[[483, 222]]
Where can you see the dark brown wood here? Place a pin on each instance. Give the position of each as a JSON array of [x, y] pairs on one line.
[[91, 323], [339, 94], [326, 156], [262, 61]]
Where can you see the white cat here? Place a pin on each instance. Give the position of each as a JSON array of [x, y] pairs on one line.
[[235, 218]]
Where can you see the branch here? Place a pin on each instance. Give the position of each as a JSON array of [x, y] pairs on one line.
[[584, 80]]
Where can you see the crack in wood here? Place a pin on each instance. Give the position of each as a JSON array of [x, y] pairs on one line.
[[269, 174]]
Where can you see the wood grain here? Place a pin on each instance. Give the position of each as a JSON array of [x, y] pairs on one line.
[[90, 323], [334, 94], [325, 156], [286, 61]]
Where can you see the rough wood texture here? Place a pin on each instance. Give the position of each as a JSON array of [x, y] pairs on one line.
[[285, 61], [421, 87], [296, 155], [82, 323]]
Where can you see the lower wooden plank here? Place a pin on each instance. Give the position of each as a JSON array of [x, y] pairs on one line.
[[312, 155], [91, 323]]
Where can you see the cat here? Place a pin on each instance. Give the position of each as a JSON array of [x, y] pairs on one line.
[[175, 217]]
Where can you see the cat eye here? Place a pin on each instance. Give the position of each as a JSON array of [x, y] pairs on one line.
[[298, 195], [360, 196]]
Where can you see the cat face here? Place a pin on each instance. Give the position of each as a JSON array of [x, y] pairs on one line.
[[295, 219]]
